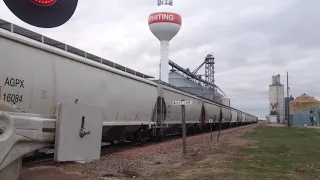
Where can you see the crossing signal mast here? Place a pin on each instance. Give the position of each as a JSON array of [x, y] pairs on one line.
[[43, 13]]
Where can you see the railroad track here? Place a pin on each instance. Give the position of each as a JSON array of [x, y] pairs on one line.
[[41, 159], [48, 159]]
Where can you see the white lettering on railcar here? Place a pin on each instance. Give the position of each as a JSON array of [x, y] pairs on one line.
[[187, 102]]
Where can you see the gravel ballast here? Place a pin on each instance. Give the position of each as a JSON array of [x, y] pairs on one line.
[[147, 162]]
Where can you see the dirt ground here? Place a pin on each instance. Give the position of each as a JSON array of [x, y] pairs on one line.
[[159, 161]]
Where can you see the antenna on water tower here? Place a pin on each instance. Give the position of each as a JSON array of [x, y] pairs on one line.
[[164, 24], [165, 2]]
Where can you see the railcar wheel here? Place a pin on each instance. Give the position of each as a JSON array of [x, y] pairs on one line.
[[133, 138], [159, 135], [141, 135], [152, 135], [200, 128]]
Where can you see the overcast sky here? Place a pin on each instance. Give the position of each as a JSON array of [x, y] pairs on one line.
[[251, 40]]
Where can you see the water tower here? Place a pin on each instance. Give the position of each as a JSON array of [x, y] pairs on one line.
[[164, 24]]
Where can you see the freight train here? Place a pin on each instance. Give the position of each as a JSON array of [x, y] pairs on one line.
[[37, 73]]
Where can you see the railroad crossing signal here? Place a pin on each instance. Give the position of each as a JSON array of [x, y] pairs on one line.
[[43, 13]]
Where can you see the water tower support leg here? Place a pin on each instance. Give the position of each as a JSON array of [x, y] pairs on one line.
[[164, 66]]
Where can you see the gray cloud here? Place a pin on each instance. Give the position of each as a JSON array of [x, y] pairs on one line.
[[251, 40]]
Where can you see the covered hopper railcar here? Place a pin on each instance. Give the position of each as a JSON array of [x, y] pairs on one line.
[[37, 73]]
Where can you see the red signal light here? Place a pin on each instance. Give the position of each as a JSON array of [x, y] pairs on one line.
[[43, 2], [43, 13]]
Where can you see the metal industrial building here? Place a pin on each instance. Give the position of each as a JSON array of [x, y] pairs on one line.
[[188, 84], [304, 110], [189, 81], [276, 99]]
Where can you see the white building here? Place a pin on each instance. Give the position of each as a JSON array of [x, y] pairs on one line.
[[276, 99]]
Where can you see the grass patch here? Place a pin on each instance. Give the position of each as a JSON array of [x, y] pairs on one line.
[[266, 152], [281, 153]]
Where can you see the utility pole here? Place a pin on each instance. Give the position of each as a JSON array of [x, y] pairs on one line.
[[288, 100]]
